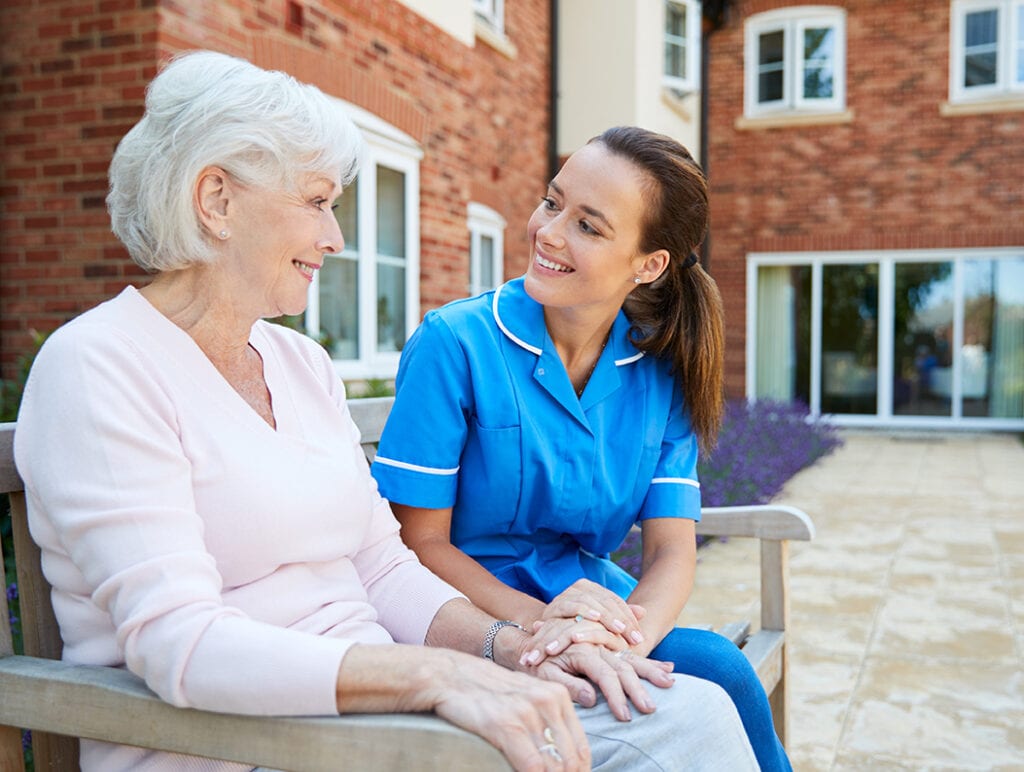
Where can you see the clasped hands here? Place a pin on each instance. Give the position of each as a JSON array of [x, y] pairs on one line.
[[588, 636]]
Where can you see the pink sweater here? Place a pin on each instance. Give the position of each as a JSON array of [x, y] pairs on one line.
[[228, 564]]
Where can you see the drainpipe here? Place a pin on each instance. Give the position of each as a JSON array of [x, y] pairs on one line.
[[713, 17], [553, 94]]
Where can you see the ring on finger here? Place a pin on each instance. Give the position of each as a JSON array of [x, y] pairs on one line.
[[549, 746], [621, 653], [578, 618], [552, 750]]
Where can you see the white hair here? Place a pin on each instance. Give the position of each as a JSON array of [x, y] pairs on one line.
[[264, 128]]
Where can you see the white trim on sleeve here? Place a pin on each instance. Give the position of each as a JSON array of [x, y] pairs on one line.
[[414, 467], [676, 480]]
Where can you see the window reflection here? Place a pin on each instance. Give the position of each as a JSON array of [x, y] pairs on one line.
[[992, 354], [770, 67], [819, 54], [981, 48], [849, 339], [922, 339]]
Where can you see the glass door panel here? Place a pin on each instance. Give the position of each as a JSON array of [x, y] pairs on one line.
[[339, 307], [992, 353], [783, 369], [922, 339], [849, 339], [390, 307]]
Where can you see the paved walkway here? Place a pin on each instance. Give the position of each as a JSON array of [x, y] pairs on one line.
[[907, 610]]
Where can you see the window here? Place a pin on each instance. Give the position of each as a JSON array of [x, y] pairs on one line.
[[492, 13], [927, 338], [364, 302], [986, 49], [682, 45], [486, 248], [795, 61]]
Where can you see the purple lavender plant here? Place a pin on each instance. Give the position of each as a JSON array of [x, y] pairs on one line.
[[760, 447], [12, 595]]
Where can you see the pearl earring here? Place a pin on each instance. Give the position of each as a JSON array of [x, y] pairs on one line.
[[223, 234], [636, 279]]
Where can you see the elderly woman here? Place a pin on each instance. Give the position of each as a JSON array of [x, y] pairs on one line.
[[196, 484]]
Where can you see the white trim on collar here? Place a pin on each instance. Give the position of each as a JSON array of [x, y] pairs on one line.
[[501, 325], [629, 360], [534, 349]]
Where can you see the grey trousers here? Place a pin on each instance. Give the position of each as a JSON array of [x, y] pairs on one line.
[[695, 728]]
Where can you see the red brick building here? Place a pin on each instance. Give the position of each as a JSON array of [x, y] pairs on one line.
[[867, 172], [455, 107]]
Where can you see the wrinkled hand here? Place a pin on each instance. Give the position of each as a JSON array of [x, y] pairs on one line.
[[530, 720], [618, 674], [584, 612]]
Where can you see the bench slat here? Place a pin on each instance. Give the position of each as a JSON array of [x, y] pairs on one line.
[[764, 651], [737, 631], [114, 705]]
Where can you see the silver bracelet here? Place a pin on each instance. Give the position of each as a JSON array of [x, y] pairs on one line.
[[492, 633]]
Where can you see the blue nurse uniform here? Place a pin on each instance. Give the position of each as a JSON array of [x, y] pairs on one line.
[[542, 484]]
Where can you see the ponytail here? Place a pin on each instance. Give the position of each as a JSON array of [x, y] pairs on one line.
[[678, 317]]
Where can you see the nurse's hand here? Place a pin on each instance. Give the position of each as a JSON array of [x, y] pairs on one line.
[[585, 612], [619, 675]]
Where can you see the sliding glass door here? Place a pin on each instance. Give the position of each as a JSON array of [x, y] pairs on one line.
[[924, 338]]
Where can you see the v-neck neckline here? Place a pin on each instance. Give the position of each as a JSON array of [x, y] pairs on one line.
[[195, 359]]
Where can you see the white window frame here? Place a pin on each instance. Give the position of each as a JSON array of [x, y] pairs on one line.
[[385, 146], [485, 222], [1008, 52], [691, 82], [886, 261], [492, 13], [792, 22]]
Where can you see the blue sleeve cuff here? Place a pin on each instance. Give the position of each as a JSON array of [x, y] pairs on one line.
[[671, 497], [415, 487]]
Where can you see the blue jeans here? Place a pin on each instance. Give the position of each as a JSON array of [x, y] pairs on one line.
[[715, 658]]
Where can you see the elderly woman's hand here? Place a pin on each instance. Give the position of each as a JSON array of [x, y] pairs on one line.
[[585, 612], [531, 720], [618, 674]]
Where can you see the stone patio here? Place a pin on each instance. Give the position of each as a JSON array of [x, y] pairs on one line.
[[907, 610]]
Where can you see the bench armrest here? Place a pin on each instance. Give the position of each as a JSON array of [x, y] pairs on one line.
[[759, 521]]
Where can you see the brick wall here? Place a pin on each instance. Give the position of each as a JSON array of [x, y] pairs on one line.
[[72, 85], [898, 176], [74, 74]]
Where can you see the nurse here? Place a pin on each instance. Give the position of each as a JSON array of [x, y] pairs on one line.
[[536, 424]]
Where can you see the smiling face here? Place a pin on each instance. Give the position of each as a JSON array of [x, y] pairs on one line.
[[279, 239], [586, 234]]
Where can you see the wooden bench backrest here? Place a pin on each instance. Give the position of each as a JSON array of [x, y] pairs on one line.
[[39, 631]]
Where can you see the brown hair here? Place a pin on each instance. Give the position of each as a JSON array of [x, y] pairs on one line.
[[678, 316]]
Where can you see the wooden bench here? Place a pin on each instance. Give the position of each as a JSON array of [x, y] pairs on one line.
[[61, 702]]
